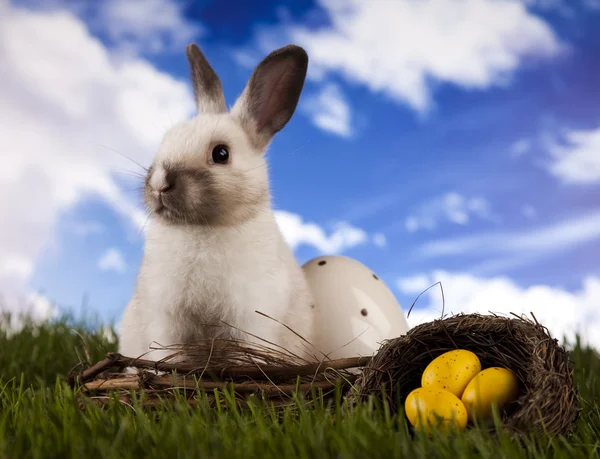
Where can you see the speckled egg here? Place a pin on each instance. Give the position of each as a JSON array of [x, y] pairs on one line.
[[355, 310], [451, 371], [428, 408]]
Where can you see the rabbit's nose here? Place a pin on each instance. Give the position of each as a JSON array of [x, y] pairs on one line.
[[166, 188], [169, 183]]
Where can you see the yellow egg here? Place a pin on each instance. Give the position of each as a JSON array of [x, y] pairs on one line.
[[451, 371], [491, 386], [435, 408]]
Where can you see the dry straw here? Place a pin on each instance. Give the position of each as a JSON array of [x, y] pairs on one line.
[[548, 403], [217, 365]]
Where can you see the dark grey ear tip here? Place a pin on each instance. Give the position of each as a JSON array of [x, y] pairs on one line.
[[295, 49], [290, 51], [300, 54], [192, 50]]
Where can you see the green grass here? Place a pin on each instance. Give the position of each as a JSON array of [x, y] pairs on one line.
[[39, 417]]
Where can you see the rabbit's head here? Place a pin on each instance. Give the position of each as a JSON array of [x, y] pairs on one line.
[[211, 170]]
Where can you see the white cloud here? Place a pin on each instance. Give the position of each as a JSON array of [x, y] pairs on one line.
[[564, 313], [245, 58], [329, 110], [39, 308], [451, 207], [297, 232], [541, 241], [64, 96], [14, 264], [577, 159], [152, 26], [402, 49], [414, 284], [112, 260], [35, 308]]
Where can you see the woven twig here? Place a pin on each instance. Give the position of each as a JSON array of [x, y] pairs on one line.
[[245, 368], [274, 372]]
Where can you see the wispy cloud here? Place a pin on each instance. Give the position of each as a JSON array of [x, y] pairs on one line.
[[367, 208], [329, 110], [379, 239], [451, 207], [520, 147], [148, 26], [112, 260], [85, 228], [592, 4], [529, 211], [542, 241], [245, 58], [414, 284]]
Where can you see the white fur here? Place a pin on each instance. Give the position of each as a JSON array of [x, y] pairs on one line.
[[190, 271]]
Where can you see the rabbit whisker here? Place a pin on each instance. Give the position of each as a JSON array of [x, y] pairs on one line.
[[143, 227], [124, 156]]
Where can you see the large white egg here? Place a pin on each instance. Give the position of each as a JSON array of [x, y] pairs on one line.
[[355, 310]]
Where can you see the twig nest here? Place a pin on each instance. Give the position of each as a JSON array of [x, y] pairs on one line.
[[547, 401], [215, 365]]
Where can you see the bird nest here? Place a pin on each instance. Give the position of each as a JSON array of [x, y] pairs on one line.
[[548, 402], [210, 368]]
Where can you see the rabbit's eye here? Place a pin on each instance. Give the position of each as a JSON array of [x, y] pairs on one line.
[[220, 154]]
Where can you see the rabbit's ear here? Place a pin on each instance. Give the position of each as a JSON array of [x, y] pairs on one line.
[[207, 85], [272, 93]]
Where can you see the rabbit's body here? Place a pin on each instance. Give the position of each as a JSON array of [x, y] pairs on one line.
[[214, 254], [191, 287]]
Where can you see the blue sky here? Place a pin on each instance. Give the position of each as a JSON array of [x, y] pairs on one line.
[[453, 141]]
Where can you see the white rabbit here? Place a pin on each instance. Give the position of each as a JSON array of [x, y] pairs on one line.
[[213, 251]]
